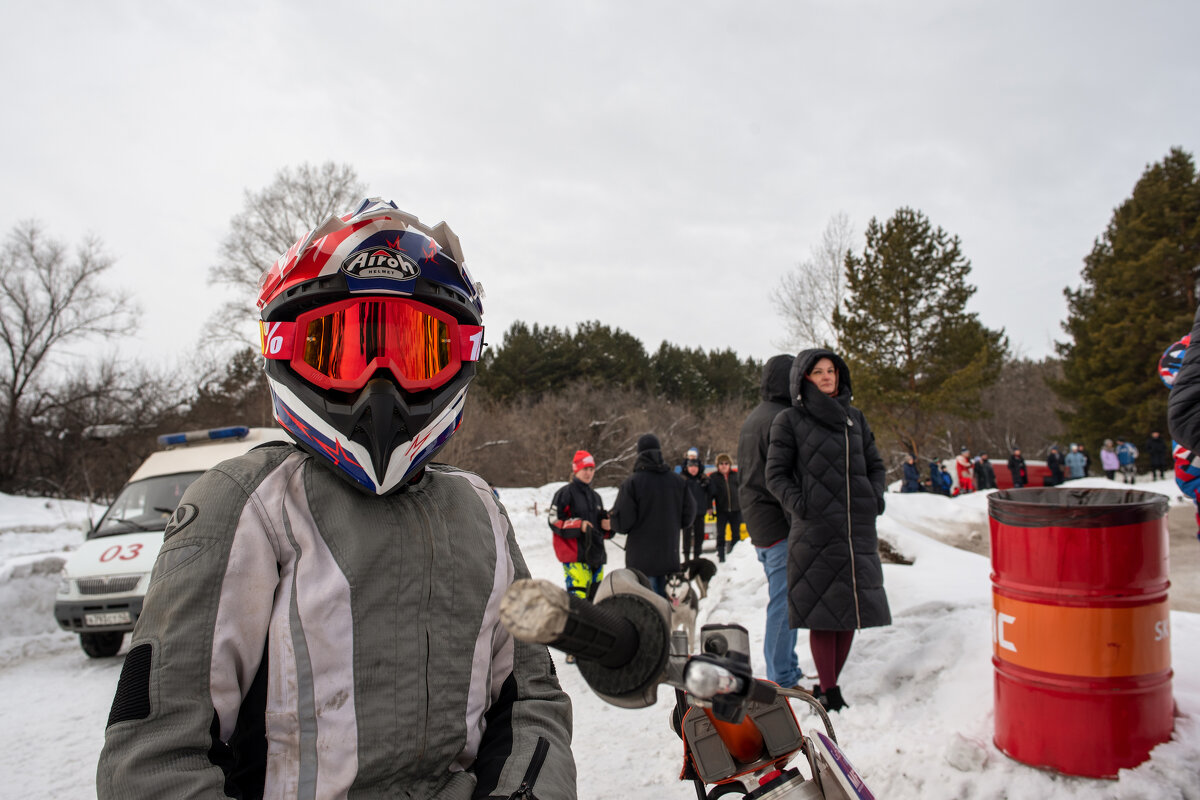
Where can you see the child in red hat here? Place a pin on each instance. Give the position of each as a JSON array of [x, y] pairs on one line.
[[580, 525]]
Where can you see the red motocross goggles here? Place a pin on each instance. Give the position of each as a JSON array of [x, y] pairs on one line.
[[340, 346]]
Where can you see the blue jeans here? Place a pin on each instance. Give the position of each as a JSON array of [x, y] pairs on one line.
[[779, 641]]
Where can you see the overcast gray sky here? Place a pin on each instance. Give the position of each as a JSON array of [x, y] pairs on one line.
[[653, 165]]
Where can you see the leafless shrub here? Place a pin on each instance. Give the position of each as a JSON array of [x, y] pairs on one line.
[[1022, 411], [530, 442]]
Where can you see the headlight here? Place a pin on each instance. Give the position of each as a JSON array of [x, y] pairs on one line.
[[64, 586]]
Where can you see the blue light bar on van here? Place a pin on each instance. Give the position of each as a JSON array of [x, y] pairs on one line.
[[189, 437]]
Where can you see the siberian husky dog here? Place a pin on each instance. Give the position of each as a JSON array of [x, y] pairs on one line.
[[700, 571], [684, 605]]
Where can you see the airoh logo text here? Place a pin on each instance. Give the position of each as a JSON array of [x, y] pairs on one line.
[[381, 262]]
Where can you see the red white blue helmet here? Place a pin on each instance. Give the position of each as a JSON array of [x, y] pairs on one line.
[[371, 327], [1171, 360]]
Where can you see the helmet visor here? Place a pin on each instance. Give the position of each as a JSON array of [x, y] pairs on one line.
[[342, 345]]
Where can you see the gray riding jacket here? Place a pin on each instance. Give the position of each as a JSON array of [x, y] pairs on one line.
[[301, 639]]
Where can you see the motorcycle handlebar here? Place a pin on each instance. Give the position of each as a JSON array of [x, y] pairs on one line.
[[539, 611], [622, 641]]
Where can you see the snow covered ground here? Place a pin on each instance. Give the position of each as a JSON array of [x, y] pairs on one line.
[[919, 727]]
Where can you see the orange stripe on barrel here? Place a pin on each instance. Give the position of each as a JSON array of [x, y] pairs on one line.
[[1087, 642]]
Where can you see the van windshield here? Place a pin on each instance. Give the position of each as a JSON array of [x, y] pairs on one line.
[[144, 505]]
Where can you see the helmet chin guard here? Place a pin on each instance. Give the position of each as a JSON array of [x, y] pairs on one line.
[[380, 434]]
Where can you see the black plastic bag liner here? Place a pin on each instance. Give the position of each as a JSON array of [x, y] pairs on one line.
[[1075, 508]]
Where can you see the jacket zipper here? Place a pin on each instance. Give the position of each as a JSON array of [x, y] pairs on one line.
[[525, 790], [428, 527], [849, 528]]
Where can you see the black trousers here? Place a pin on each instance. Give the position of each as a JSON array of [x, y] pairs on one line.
[[734, 520], [694, 538]]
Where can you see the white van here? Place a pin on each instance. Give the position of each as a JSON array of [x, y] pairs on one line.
[[105, 579]]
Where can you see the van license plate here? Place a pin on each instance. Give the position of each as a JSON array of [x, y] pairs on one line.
[[110, 618]]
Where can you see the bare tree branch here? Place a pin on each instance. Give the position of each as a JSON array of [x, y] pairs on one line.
[[807, 296], [48, 301], [271, 220]]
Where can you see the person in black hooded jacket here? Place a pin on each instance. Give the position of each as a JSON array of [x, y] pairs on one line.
[[652, 507], [823, 466], [692, 471], [912, 476], [1183, 406], [767, 522], [723, 489]]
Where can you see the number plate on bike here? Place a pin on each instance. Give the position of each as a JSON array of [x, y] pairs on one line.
[[108, 618]]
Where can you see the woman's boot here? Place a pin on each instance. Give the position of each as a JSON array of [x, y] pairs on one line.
[[832, 699]]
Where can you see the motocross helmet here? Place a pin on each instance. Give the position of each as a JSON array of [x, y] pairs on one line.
[[371, 327], [1172, 360]]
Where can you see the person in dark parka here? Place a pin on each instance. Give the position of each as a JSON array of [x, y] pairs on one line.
[[912, 476], [1054, 463], [1016, 468], [652, 506], [766, 521], [1183, 412], [1183, 407], [985, 475], [1159, 453], [723, 489], [692, 471], [823, 466], [939, 480]]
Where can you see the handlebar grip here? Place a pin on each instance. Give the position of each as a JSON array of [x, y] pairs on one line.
[[622, 642], [595, 633], [539, 611]]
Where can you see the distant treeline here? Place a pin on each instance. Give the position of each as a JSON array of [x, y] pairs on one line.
[[533, 361]]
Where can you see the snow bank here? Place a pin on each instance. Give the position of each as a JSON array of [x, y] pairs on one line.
[[35, 536], [44, 514]]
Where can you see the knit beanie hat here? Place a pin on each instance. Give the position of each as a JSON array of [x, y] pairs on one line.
[[648, 441], [582, 459]]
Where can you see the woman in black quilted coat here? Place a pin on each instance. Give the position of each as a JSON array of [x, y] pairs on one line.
[[823, 467]]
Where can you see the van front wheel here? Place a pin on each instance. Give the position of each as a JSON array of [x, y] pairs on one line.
[[101, 645]]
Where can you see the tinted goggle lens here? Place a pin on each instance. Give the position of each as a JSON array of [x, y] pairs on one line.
[[342, 346]]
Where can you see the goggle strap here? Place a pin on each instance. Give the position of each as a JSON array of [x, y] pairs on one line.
[[470, 342], [277, 339]]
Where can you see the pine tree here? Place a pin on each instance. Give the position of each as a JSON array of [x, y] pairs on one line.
[[1138, 296], [529, 362], [610, 357], [237, 396], [919, 361], [680, 375]]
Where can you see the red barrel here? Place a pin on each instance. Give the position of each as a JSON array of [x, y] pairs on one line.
[[1080, 627]]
